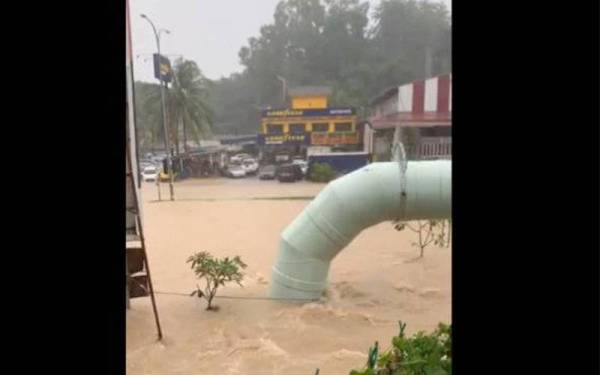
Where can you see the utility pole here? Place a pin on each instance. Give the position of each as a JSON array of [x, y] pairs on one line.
[[164, 108], [428, 62], [284, 88]]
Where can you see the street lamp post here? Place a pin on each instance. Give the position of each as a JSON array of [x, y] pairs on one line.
[[164, 108]]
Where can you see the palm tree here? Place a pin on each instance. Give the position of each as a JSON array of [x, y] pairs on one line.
[[188, 103]]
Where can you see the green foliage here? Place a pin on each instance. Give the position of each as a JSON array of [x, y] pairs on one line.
[[189, 112], [321, 172], [216, 273], [428, 231], [309, 42], [372, 358], [148, 116], [332, 42], [421, 354]]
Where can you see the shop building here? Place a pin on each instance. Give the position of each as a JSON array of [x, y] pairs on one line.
[[308, 123]]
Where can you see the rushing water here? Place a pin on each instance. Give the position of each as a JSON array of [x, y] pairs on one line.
[[372, 286]]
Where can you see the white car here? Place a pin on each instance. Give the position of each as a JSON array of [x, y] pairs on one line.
[[250, 166], [150, 174], [303, 165], [236, 159], [236, 171]]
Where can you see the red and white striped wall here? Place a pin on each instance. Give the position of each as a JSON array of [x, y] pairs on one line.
[[431, 95], [419, 103]]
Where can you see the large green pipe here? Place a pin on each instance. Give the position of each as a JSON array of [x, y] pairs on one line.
[[375, 193]]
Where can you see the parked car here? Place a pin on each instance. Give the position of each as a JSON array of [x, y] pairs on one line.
[[237, 159], [289, 173], [235, 171], [143, 165], [268, 172], [149, 174], [250, 166], [303, 165]]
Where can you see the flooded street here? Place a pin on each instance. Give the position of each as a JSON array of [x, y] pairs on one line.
[[371, 287]]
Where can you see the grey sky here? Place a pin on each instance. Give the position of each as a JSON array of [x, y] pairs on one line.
[[210, 32]]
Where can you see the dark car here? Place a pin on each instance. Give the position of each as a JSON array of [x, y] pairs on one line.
[[268, 172], [289, 173]]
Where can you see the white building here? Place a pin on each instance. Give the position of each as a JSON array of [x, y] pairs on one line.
[[423, 110]]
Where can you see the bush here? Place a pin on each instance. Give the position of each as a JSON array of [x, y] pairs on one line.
[[429, 231], [215, 272], [321, 172], [420, 354]]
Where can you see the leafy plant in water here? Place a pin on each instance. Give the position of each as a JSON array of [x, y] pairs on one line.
[[373, 353], [429, 231], [215, 272], [421, 354]]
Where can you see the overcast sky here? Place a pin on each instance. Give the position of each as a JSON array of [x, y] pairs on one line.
[[210, 32]]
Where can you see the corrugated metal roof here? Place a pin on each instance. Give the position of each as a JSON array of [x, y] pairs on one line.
[[391, 91]]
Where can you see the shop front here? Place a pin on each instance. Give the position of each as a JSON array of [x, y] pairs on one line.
[[288, 133]]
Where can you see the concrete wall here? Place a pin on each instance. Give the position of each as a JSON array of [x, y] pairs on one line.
[[388, 106]]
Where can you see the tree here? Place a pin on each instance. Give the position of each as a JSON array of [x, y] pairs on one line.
[[428, 231], [215, 272], [406, 31], [189, 110], [333, 43], [188, 102], [148, 116], [344, 42], [236, 104]]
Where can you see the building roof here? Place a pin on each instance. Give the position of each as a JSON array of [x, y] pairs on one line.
[[419, 103], [391, 91], [310, 90], [387, 93]]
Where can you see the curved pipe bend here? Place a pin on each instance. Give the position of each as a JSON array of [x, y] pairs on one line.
[[347, 206]]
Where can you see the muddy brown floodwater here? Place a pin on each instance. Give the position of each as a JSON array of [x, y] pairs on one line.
[[371, 287]]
